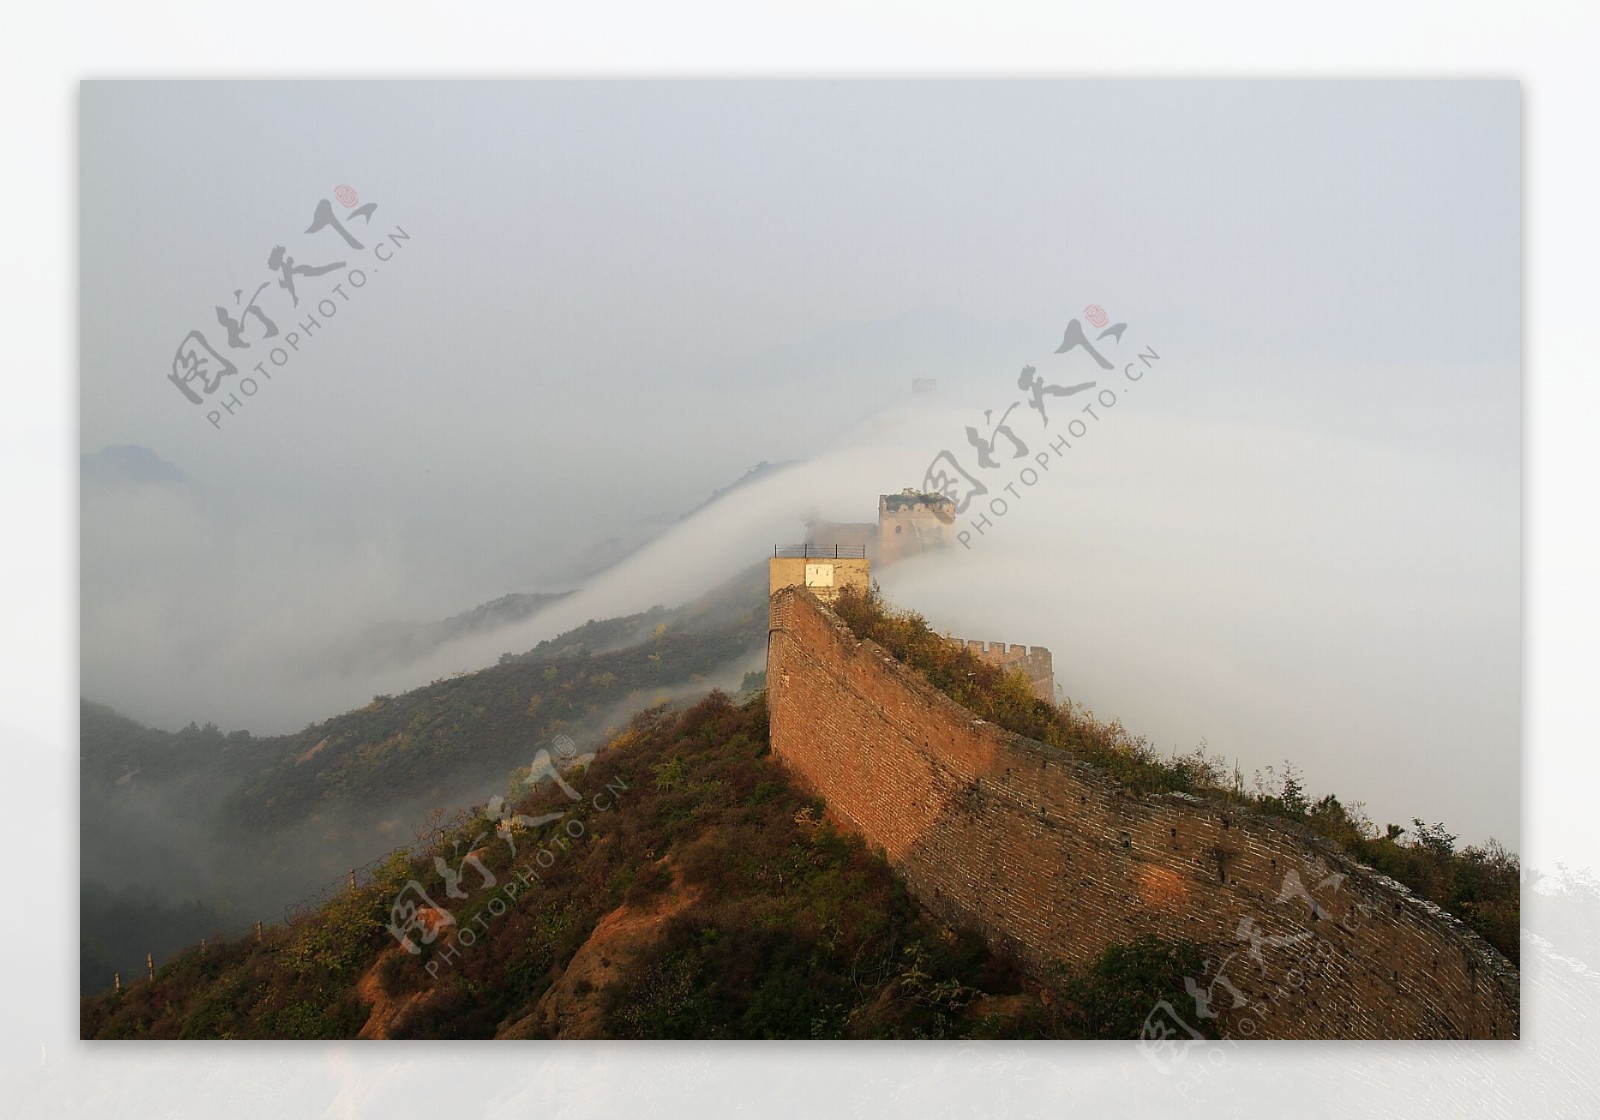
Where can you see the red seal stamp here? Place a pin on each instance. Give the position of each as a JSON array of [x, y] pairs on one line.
[[1094, 313], [347, 195]]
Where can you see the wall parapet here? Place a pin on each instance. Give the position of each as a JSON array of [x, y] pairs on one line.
[[1050, 856], [1035, 661]]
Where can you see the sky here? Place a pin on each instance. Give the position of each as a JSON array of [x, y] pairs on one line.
[[585, 306]]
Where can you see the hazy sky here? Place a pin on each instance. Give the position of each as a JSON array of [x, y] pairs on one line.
[[1300, 539]]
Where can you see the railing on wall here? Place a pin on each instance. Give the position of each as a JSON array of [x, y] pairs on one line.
[[820, 551]]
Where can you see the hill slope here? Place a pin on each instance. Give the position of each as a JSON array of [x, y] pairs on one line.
[[201, 831], [690, 891]]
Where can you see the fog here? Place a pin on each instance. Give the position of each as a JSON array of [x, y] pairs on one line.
[[1297, 538]]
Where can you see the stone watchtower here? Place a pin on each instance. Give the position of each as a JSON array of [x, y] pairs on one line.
[[911, 522]]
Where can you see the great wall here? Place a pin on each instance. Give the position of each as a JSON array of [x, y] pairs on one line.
[[1051, 858]]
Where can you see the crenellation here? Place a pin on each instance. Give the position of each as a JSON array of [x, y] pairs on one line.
[[1035, 661]]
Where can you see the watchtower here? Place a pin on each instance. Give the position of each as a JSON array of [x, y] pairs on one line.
[[911, 522], [821, 569]]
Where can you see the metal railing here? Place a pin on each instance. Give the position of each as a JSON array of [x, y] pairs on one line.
[[820, 551], [295, 912], [363, 876]]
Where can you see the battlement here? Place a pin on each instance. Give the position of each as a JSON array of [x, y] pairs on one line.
[[911, 522], [1032, 660], [908, 523], [910, 501]]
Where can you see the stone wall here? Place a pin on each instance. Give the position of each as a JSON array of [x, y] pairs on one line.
[[909, 523], [1052, 859], [1034, 661]]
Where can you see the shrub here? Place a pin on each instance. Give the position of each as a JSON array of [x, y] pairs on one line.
[[1113, 997]]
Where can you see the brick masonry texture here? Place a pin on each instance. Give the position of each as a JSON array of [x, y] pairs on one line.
[[1051, 858]]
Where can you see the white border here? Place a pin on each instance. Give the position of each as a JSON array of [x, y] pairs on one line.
[[44, 51]]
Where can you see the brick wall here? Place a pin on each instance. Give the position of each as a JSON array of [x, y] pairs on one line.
[[1049, 857]]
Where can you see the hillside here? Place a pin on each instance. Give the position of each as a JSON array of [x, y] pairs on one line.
[[201, 831], [692, 891], [683, 884], [403, 643]]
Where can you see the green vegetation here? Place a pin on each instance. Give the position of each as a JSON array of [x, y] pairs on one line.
[[893, 503], [293, 983], [1112, 997], [480, 725], [770, 924], [134, 915], [226, 828], [761, 920], [1480, 885], [400, 643]]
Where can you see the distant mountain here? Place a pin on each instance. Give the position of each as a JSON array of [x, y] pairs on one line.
[[760, 470], [128, 465], [205, 823], [388, 644], [613, 550]]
